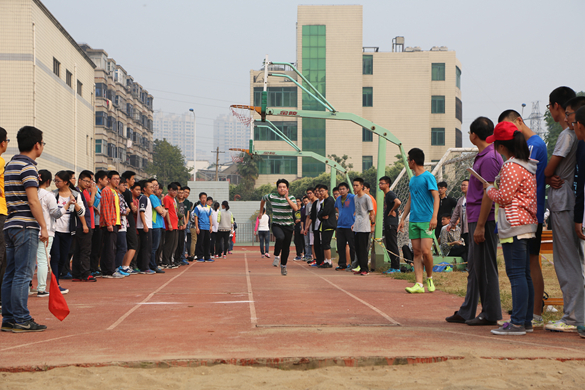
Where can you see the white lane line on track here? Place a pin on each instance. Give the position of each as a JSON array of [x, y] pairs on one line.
[[45, 341], [113, 326], [253, 318], [380, 312]]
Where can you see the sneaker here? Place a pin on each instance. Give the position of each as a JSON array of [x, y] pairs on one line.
[[416, 289], [267, 255], [230, 252], [190, 258], [363, 273], [28, 326], [455, 318], [537, 323], [123, 273], [7, 326], [502, 322], [528, 327], [391, 271], [298, 258], [210, 261], [96, 273], [430, 285], [581, 331], [147, 272], [325, 265], [89, 279], [508, 329], [175, 266], [340, 268], [158, 270], [560, 326], [117, 275], [276, 261], [283, 270], [66, 276], [358, 269], [201, 260], [63, 290], [184, 262], [224, 256], [41, 294], [312, 263]]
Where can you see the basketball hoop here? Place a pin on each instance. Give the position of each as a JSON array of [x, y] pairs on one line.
[[237, 155], [244, 114]]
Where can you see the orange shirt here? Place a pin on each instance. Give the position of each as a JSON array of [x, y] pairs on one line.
[[3, 208], [375, 205]]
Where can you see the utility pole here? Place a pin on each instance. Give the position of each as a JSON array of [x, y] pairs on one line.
[[217, 152]]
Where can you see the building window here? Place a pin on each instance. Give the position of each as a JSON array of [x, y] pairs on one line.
[[265, 134], [313, 141], [68, 76], [367, 135], [56, 67], [437, 104], [277, 96], [438, 136], [367, 162], [367, 96], [100, 90], [101, 118], [368, 64], [458, 109], [438, 72], [278, 165], [458, 139], [458, 77], [79, 88], [101, 146]]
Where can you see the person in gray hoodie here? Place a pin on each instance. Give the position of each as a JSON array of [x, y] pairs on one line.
[[516, 221]]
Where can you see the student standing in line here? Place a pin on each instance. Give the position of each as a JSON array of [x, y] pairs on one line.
[[144, 226], [310, 194], [3, 209], [446, 206], [51, 212], [363, 225], [299, 239], [517, 222], [158, 225], [214, 247], [460, 214], [423, 205], [182, 214], [225, 220], [283, 206], [328, 224], [203, 222], [121, 241], [262, 229], [172, 221], [101, 181], [159, 252], [131, 234], [391, 205], [80, 267], [189, 240], [345, 206], [110, 224], [315, 224]]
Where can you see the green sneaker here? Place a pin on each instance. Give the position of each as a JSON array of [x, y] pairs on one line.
[[581, 331], [537, 323], [358, 269], [416, 289], [430, 285], [559, 326]]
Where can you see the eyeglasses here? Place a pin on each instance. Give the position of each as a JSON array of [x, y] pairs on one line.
[[568, 114], [549, 106], [42, 143], [86, 180], [7, 140]]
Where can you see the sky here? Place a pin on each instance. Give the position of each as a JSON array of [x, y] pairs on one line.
[[198, 54]]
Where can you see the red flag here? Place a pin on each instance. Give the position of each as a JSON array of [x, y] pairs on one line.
[[57, 304]]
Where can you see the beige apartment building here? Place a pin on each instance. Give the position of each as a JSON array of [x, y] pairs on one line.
[[414, 93], [123, 117], [46, 80]]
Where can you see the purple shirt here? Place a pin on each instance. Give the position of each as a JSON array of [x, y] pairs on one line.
[[488, 164]]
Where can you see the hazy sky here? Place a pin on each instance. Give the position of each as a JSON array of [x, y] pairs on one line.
[[199, 53]]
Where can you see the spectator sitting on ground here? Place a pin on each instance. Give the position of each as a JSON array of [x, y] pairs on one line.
[[450, 239]]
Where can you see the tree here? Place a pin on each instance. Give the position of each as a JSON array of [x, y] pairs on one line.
[[341, 160], [249, 171], [168, 164]]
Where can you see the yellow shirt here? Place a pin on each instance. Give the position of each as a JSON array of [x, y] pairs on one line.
[[117, 203], [3, 209]]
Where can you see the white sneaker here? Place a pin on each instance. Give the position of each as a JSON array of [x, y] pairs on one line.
[[117, 275], [276, 261], [559, 326]]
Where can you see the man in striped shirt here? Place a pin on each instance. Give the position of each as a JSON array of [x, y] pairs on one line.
[[283, 206], [21, 231]]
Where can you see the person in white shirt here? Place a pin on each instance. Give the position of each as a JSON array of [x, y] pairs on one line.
[[144, 226], [263, 231]]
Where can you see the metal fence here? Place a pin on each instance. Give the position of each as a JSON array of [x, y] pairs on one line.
[[245, 234]]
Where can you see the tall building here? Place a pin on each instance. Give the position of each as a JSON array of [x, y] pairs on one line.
[[178, 130], [46, 80], [415, 94], [123, 117], [228, 133]]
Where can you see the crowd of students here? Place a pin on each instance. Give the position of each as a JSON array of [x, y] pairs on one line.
[[97, 225]]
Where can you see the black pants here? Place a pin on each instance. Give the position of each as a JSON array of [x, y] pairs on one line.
[[224, 242], [283, 236], [299, 242], [2, 251], [81, 254], [361, 248], [345, 237], [144, 250], [161, 245], [326, 237], [60, 251], [319, 254], [459, 250], [180, 245], [188, 242], [391, 239], [109, 244], [213, 248], [203, 243], [96, 249], [170, 246]]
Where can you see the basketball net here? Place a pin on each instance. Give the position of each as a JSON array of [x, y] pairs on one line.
[[237, 156], [243, 115]]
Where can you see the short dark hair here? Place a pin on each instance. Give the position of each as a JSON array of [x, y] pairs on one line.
[[4, 135], [580, 116], [143, 184], [99, 175], [483, 127], [442, 184], [386, 179], [367, 185], [446, 215], [28, 137], [123, 180], [576, 103], [44, 176], [321, 187], [72, 173], [85, 174], [128, 175], [112, 174], [201, 194], [359, 180], [136, 184], [281, 181], [310, 189], [179, 186], [561, 95], [509, 115], [344, 184], [464, 180], [152, 179], [209, 198], [335, 189], [172, 186], [417, 155], [186, 188]]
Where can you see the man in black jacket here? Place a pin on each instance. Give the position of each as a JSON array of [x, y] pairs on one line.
[[328, 223]]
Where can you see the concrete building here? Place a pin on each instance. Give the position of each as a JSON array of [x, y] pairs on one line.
[[123, 117], [46, 80], [415, 94], [178, 130], [228, 133]]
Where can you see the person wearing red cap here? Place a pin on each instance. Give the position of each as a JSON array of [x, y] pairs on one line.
[[516, 221]]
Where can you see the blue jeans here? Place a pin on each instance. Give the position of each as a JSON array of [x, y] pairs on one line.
[[121, 249], [264, 237], [517, 258], [156, 235], [21, 256]]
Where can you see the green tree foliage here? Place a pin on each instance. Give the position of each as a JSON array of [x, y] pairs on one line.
[[168, 164], [341, 160]]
